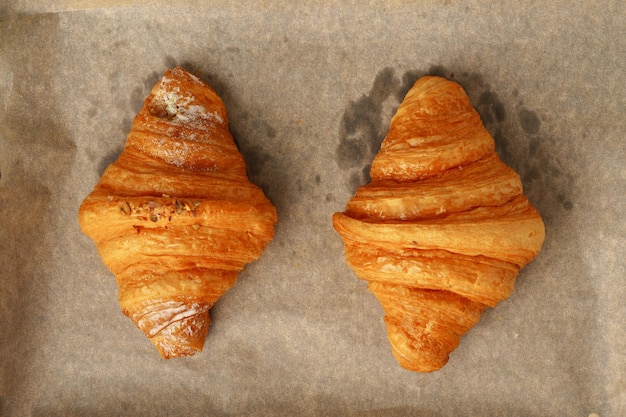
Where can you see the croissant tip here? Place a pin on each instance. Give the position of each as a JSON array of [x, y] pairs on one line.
[[180, 72], [178, 353], [420, 368], [183, 338]]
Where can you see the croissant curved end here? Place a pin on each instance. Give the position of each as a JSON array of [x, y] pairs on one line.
[[175, 217], [443, 228]]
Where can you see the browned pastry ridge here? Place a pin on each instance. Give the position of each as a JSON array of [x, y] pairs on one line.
[[443, 228], [175, 217]]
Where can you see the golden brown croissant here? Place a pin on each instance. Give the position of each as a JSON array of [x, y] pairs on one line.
[[175, 217], [443, 228]]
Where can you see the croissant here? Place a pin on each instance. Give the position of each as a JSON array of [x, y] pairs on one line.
[[175, 217], [443, 228]]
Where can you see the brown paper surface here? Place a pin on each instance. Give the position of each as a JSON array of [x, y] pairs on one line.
[[310, 89]]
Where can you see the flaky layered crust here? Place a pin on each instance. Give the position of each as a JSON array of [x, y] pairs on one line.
[[443, 228], [175, 217]]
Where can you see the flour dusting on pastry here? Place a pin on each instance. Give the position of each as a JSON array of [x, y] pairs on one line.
[[175, 217]]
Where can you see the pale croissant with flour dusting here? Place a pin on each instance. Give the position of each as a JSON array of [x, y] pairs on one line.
[[443, 228], [175, 217]]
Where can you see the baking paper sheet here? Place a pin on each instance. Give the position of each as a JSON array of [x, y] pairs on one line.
[[310, 88]]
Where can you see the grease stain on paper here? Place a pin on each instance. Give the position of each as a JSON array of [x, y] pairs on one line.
[[363, 127], [529, 121], [108, 159], [256, 160], [492, 109], [260, 162]]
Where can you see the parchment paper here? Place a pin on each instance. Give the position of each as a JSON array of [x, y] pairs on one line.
[[310, 88]]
